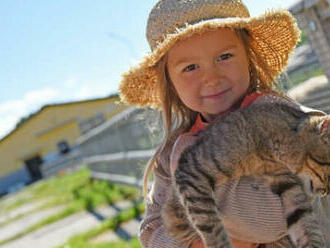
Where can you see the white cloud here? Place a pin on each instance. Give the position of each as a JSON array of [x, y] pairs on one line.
[[42, 96], [7, 123]]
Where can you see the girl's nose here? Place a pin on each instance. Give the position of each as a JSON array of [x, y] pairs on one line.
[[212, 76]]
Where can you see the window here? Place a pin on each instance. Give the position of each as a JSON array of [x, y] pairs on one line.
[[63, 147]]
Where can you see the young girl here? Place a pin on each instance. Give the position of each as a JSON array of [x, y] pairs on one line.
[[209, 57]]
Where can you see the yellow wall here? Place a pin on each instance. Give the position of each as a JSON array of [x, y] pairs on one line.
[[68, 132], [40, 134]]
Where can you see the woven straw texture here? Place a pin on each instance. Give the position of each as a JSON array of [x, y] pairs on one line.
[[274, 36]]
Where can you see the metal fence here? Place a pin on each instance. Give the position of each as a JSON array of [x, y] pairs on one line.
[[124, 167], [119, 150]]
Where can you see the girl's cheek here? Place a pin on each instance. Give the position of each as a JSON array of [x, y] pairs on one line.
[[193, 77]]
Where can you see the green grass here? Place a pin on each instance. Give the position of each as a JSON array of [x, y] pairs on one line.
[[56, 189], [81, 240], [304, 38], [75, 191], [133, 243]]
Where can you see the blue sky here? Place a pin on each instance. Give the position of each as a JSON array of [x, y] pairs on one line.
[[65, 50]]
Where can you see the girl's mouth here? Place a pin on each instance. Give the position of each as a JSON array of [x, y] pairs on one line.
[[217, 95]]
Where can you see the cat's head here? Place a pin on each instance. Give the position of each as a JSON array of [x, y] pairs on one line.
[[317, 162]]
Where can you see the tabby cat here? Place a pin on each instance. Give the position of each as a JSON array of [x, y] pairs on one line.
[[269, 140]]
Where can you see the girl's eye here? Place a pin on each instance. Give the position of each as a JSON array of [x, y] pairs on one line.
[[190, 67], [225, 56]]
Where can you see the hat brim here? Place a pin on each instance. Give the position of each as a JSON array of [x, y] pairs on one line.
[[274, 37]]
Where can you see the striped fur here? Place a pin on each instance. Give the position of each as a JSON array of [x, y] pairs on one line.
[[269, 140]]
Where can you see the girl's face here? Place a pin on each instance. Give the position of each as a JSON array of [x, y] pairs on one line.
[[210, 72]]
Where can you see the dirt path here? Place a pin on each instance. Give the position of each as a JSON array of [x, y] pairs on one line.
[[59, 232]]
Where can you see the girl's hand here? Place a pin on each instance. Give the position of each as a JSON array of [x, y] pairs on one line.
[[236, 244]]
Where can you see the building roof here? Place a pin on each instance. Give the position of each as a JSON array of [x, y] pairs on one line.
[[47, 106]]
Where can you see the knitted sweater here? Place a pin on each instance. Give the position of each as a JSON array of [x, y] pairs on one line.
[[251, 212]]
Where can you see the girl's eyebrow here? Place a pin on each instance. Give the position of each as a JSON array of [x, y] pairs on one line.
[[188, 59], [182, 60], [227, 48]]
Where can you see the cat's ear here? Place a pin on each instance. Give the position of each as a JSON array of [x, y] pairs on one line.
[[324, 129], [325, 125]]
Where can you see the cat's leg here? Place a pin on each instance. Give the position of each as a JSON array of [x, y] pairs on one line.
[[195, 185], [175, 220], [303, 228]]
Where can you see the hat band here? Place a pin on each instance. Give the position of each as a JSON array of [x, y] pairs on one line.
[[163, 22]]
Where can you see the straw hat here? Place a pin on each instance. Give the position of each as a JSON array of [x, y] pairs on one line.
[[274, 36]]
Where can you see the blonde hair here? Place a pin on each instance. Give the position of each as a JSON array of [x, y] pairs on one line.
[[177, 118]]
